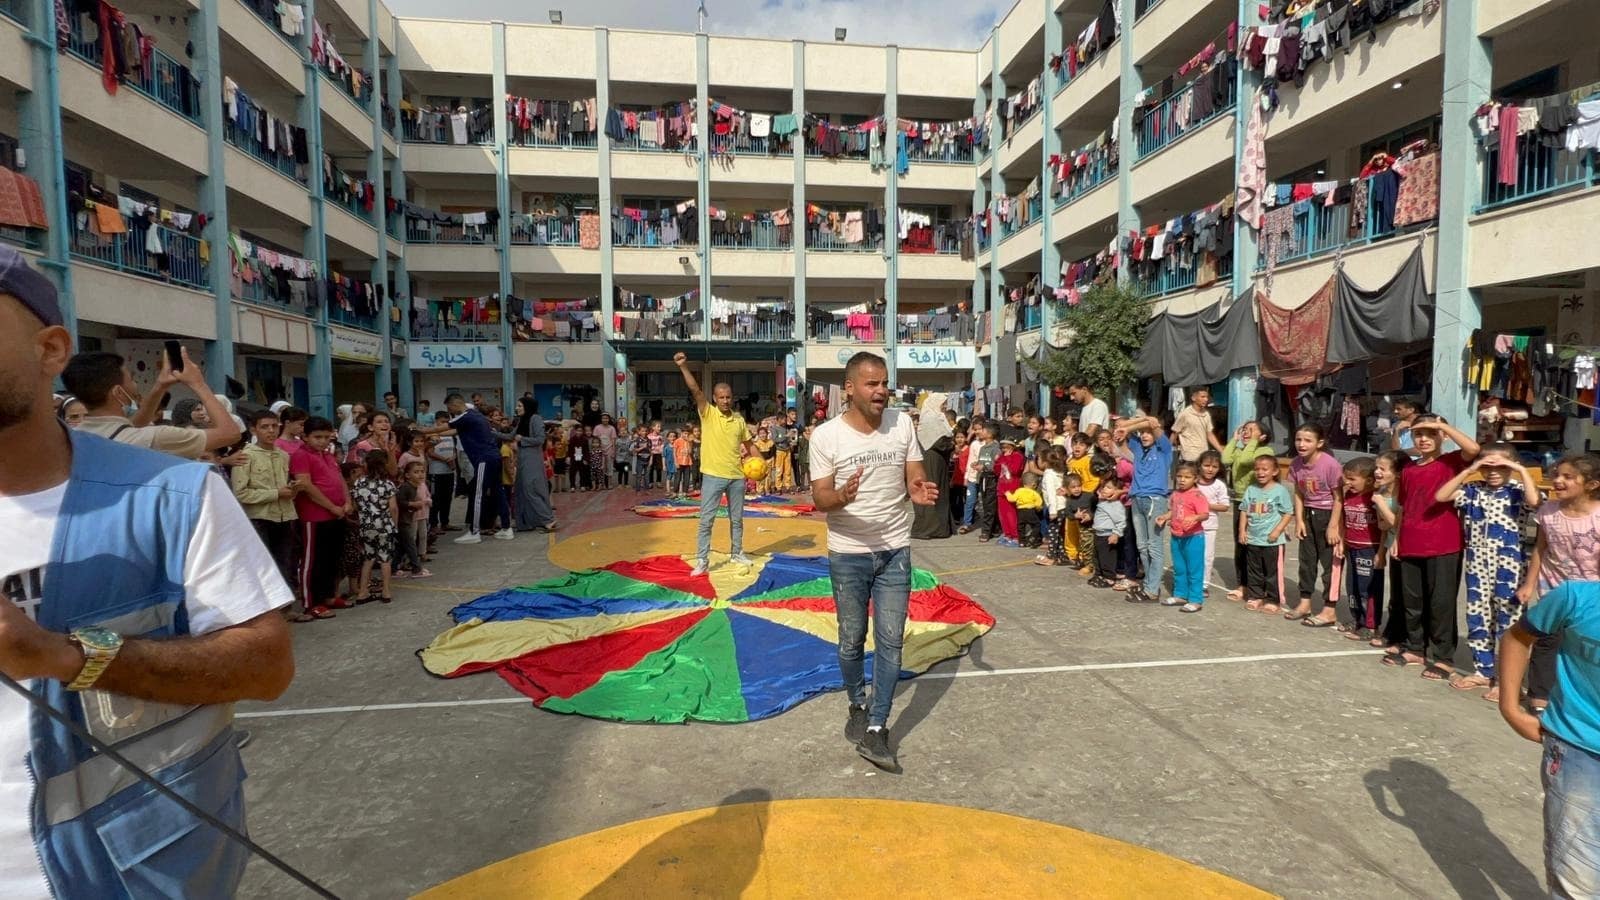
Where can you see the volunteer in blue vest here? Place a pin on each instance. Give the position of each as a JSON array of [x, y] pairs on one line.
[[866, 471], [724, 436], [138, 602], [476, 437]]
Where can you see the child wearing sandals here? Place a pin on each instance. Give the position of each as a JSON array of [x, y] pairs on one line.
[[1430, 547], [1054, 488], [1187, 516], [1360, 536], [1493, 510], [1268, 513], [378, 511], [1386, 503], [1216, 493], [1317, 477], [1568, 549]]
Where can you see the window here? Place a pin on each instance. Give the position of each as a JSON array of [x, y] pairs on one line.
[[1426, 129], [1540, 84], [1317, 171], [8, 151]]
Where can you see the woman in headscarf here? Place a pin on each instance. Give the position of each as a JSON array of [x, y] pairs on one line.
[[607, 433], [533, 488], [938, 443], [349, 428]]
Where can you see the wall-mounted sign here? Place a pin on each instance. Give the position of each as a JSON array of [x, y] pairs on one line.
[[355, 346], [554, 357], [844, 356], [935, 357], [457, 356]]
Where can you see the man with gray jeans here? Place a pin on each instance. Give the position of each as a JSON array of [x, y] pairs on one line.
[[724, 437]]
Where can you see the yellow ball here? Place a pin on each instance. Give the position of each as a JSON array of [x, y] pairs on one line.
[[755, 468]]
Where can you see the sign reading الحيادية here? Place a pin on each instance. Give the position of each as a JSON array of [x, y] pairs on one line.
[[918, 356], [456, 356]]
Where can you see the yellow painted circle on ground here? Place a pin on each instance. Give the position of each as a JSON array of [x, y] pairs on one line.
[[841, 848], [801, 536]]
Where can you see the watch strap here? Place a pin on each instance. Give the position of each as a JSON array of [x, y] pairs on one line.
[[93, 668]]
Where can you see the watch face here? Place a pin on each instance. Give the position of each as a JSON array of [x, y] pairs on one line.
[[96, 638]]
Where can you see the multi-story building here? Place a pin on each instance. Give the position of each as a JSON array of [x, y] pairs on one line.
[[332, 200]]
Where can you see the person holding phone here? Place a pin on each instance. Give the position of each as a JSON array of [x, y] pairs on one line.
[[116, 412], [866, 472]]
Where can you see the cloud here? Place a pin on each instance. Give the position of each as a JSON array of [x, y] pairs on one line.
[[959, 24]]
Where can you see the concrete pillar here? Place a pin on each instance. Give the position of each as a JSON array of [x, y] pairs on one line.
[[980, 202], [997, 187], [797, 105], [608, 280], [1050, 254], [39, 123], [212, 189], [891, 208], [309, 110], [1130, 83], [400, 292], [702, 130], [1246, 244], [502, 189], [380, 267], [1468, 76]]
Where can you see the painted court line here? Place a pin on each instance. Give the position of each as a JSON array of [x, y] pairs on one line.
[[970, 673]]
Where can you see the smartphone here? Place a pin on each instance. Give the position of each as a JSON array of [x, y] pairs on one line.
[[174, 356]]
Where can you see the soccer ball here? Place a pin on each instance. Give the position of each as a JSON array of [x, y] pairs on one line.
[[755, 468]]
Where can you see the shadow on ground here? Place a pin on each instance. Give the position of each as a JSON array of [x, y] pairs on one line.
[[663, 860]]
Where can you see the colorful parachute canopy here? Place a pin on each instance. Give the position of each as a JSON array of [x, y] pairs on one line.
[[645, 641], [765, 506]]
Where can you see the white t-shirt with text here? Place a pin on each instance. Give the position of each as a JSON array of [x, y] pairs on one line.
[[229, 578], [879, 518]]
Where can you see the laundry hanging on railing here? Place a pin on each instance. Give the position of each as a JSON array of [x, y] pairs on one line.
[[1285, 49], [1201, 241], [1081, 275], [827, 227], [346, 188], [534, 121], [244, 250], [574, 321], [668, 127], [263, 132], [21, 202], [484, 218], [1095, 160], [1020, 107], [323, 52], [1099, 34], [1569, 120], [441, 124], [1017, 210]]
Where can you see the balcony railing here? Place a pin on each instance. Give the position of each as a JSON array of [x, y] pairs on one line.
[[1016, 126], [756, 330], [486, 332], [26, 238], [627, 232], [16, 10], [127, 253], [1170, 277], [342, 82], [267, 11], [165, 80], [439, 132], [420, 232], [939, 238], [942, 329], [680, 327], [338, 315], [1325, 229], [1084, 180], [350, 204], [833, 242], [545, 231], [580, 140], [745, 145], [1065, 74], [635, 142], [247, 142], [1030, 317], [260, 293], [391, 225], [1010, 227], [762, 236], [1540, 172], [868, 329], [951, 151], [1161, 126]]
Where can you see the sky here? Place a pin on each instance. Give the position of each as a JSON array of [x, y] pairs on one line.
[[959, 24]]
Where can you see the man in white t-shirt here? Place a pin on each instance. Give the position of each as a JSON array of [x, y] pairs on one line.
[[866, 471], [1095, 415], [235, 644]]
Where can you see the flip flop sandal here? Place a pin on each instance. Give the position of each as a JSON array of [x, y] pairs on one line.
[[1295, 615], [321, 612], [1437, 672], [339, 603], [1271, 608], [1469, 682], [1397, 660], [299, 618], [1253, 605], [1312, 622], [386, 599]]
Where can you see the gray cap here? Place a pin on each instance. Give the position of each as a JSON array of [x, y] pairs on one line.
[[20, 280]]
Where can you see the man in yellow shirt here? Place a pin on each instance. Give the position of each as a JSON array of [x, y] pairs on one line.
[[724, 439]]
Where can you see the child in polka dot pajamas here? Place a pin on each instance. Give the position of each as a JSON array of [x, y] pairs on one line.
[[1491, 511]]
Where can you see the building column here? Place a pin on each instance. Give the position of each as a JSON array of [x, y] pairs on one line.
[[380, 266], [997, 187], [608, 278], [502, 193], [320, 369], [212, 190], [1050, 254], [1458, 310], [891, 210], [1129, 84], [401, 289], [797, 230], [39, 123], [1246, 243], [979, 303], [702, 130]]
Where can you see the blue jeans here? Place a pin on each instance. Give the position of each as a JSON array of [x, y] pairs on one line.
[[711, 491], [1571, 777], [972, 503], [1189, 567], [885, 578], [1152, 540]]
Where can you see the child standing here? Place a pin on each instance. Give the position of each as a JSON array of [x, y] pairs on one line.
[[973, 476], [986, 456], [1216, 491], [1316, 476], [1080, 532], [1187, 519], [411, 497], [350, 562], [958, 481], [378, 512], [658, 447], [1054, 488], [1430, 548], [1007, 478], [639, 452], [1357, 550], [1080, 512], [599, 472], [1385, 501], [1029, 504], [1268, 515], [320, 503], [768, 448], [669, 460], [683, 458], [1568, 549], [802, 460], [1493, 510], [1110, 519]]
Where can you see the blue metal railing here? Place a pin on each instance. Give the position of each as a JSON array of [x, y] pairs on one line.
[[1160, 126], [1084, 180], [1325, 229], [635, 142], [343, 83], [391, 225], [1030, 318], [582, 140], [1065, 77], [27, 238], [247, 142], [338, 315], [954, 151], [1540, 172], [1140, 7], [420, 232], [349, 203], [1170, 277], [627, 232], [1016, 126], [256, 293], [762, 236], [547, 231], [127, 252], [835, 243], [439, 133], [1010, 227], [945, 240], [267, 11], [165, 80], [760, 330], [838, 331]]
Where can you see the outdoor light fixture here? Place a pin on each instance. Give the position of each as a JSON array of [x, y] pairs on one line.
[[683, 260], [555, 17], [838, 34], [1398, 85]]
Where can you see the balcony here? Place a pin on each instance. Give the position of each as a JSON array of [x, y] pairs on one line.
[[1540, 172], [745, 145], [833, 242], [1173, 117], [580, 140], [26, 238], [544, 231], [1030, 317], [1086, 179], [1034, 212], [926, 328], [1169, 277], [939, 238], [262, 291], [439, 132], [420, 232], [343, 83], [857, 328], [1140, 7], [350, 203], [338, 315], [629, 232], [128, 253], [1326, 229], [267, 12], [759, 236], [954, 151], [165, 80], [1012, 126], [247, 142]]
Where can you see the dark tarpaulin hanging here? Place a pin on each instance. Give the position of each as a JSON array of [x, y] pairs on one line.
[[1368, 324], [1200, 348]]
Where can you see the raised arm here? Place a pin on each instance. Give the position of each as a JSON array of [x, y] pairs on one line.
[[682, 362], [1447, 491], [224, 432]]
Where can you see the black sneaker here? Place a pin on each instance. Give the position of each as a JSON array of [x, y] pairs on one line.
[[1137, 594], [855, 727], [1098, 582], [874, 748]]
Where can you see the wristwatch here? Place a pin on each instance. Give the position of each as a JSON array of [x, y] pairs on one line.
[[100, 646]]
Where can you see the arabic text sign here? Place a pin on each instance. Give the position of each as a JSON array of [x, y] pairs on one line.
[[935, 357], [355, 346], [457, 356]]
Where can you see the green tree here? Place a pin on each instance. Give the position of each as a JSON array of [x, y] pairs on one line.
[[1106, 330]]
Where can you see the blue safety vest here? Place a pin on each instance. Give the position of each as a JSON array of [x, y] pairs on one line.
[[117, 561]]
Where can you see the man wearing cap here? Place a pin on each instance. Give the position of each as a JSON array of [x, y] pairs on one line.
[[137, 602]]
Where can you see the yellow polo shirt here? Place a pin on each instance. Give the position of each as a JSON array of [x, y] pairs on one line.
[[721, 436]]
